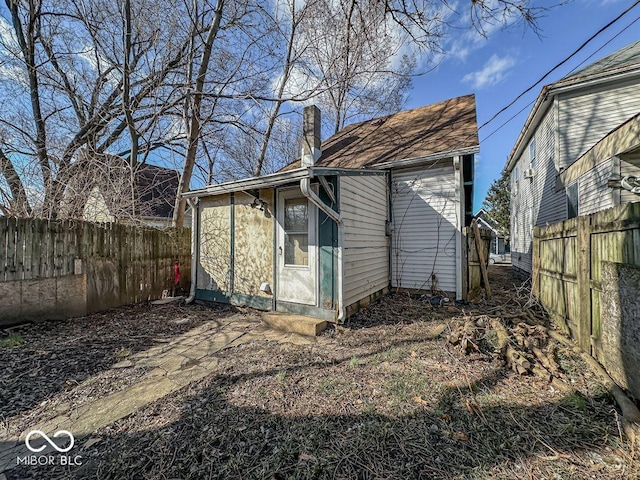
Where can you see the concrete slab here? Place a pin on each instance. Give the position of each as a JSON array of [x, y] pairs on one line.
[[288, 322]]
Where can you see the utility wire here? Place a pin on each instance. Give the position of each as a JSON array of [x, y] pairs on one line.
[[573, 70], [591, 38], [605, 44]]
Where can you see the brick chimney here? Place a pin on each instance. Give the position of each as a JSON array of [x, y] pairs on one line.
[[311, 149]]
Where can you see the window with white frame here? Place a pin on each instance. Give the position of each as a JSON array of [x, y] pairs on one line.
[[532, 153]]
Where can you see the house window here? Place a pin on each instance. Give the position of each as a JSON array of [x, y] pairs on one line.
[[516, 177], [532, 153], [296, 231], [572, 200]]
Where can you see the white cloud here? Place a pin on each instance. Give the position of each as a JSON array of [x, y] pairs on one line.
[[493, 72], [473, 28]]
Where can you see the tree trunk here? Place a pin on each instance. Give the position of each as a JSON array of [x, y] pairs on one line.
[[20, 203], [27, 46], [193, 134]]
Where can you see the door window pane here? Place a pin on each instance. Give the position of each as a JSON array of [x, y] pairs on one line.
[[296, 249], [296, 217], [296, 234]]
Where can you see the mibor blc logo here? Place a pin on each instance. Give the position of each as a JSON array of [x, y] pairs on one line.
[[59, 433], [33, 460]]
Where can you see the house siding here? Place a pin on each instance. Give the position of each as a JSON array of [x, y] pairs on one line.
[[593, 193], [424, 216], [536, 201], [364, 210], [586, 117], [96, 209]]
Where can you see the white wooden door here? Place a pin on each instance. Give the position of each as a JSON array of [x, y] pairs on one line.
[[296, 249]]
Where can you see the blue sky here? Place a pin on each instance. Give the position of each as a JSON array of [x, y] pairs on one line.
[[500, 67]]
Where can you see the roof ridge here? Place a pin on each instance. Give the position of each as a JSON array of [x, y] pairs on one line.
[[607, 62]]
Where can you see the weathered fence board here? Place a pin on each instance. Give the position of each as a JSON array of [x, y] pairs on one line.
[[569, 261], [474, 272], [123, 263]]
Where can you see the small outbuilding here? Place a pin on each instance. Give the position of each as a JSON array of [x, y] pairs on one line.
[[381, 204]]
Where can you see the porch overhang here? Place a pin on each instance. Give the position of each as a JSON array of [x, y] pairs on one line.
[[275, 180]]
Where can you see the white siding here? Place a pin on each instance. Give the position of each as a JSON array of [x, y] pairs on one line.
[[364, 209], [424, 212], [572, 125], [535, 202], [593, 193], [584, 118]]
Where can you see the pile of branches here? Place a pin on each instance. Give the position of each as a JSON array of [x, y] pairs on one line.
[[524, 348], [525, 345]]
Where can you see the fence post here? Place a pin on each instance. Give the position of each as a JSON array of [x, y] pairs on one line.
[[583, 245], [535, 276]]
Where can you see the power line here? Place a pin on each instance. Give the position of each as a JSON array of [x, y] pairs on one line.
[[605, 44], [508, 121], [573, 70], [591, 38]]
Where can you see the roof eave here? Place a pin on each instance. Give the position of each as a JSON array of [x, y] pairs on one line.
[[266, 181], [416, 161]]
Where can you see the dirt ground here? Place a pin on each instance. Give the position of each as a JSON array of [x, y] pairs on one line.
[[386, 397]]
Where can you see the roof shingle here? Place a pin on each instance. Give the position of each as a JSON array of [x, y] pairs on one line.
[[439, 128]]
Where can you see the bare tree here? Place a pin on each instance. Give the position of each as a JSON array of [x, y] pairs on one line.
[[361, 69], [83, 95], [83, 79]]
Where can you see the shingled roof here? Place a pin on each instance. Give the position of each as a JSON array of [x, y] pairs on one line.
[[441, 128], [621, 59]]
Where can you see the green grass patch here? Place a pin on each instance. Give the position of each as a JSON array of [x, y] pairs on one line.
[[13, 340], [575, 401]]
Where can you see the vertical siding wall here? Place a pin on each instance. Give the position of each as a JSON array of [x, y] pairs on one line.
[[364, 207], [424, 227]]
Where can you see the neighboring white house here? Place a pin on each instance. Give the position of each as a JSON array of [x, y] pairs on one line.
[[553, 175], [498, 240], [383, 203]]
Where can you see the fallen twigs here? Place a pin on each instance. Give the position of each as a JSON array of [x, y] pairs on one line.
[[521, 346], [630, 412]]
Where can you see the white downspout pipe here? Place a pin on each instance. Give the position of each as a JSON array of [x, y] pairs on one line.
[[305, 188], [194, 205]]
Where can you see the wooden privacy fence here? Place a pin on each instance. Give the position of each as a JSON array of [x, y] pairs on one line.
[[65, 268], [586, 273]]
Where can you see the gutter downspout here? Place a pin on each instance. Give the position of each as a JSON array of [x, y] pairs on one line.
[[305, 188], [194, 204]]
